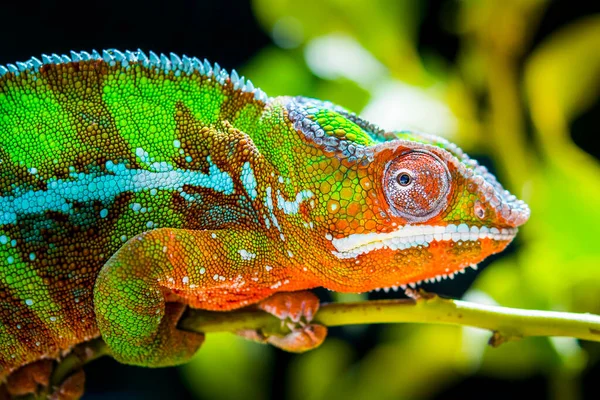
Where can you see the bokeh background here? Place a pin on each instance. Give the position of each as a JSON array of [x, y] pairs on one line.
[[516, 83]]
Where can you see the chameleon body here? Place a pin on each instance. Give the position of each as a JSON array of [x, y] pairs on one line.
[[132, 183]]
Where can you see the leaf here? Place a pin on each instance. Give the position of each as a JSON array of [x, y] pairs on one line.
[[563, 75]]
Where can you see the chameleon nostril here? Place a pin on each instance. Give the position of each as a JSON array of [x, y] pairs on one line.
[[479, 210]]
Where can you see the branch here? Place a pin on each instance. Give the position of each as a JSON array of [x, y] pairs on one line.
[[506, 323]]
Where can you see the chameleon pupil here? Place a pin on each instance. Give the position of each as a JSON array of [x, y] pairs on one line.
[[404, 179]]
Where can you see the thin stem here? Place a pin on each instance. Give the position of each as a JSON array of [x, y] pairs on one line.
[[81, 355], [506, 323]]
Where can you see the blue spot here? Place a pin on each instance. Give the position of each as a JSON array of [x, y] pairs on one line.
[[103, 213], [248, 180], [32, 256], [3, 239]]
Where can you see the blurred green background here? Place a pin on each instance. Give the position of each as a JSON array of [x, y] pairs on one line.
[[515, 83]]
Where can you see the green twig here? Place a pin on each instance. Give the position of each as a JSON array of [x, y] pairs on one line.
[[506, 323], [81, 355]]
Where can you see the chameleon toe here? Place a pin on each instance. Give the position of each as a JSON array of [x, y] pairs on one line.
[[301, 339], [71, 389], [295, 306]]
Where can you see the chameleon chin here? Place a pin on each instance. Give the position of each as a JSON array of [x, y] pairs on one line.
[[132, 185]]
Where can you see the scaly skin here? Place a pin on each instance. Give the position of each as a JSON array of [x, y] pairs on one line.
[[129, 185]]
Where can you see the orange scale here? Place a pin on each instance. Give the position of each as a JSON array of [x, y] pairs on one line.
[[342, 224], [370, 224], [368, 214], [353, 209]]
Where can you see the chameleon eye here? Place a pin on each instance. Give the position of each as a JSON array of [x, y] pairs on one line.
[[416, 185]]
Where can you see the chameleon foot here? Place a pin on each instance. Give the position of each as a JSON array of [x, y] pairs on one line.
[[296, 310], [34, 380], [30, 379], [71, 389]]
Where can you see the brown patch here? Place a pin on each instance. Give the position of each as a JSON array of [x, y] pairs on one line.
[[196, 140], [25, 326], [236, 100]]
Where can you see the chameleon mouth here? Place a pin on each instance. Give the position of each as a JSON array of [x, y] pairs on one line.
[[416, 235]]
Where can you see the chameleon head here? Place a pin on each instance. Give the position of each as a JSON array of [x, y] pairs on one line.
[[398, 208]]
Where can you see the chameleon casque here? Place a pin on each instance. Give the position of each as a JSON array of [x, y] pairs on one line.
[[132, 185]]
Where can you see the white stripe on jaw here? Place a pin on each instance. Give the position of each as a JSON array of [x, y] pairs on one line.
[[414, 235]]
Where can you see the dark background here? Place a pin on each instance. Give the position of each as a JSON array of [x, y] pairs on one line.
[[226, 31]]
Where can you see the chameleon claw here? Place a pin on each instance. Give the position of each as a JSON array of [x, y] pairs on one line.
[[419, 294]]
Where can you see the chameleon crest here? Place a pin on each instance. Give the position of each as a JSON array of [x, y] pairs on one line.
[[134, 185]]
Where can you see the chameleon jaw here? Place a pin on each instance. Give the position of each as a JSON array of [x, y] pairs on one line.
[[415, 235]]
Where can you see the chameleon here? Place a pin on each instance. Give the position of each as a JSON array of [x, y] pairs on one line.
[[133, 185]]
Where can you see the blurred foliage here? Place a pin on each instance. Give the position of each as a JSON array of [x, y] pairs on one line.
[[364, 56]]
